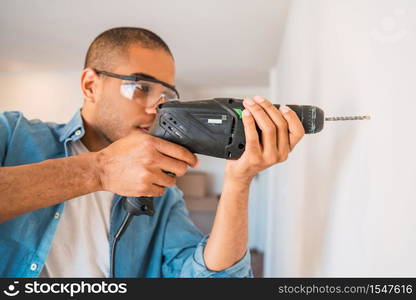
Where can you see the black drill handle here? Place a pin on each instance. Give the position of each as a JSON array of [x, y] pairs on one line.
[[139, 205]]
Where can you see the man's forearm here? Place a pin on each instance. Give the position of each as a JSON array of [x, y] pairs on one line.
[[29, 187], [227, 243]]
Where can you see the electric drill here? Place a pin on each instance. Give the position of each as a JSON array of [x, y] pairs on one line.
[[215, 128]]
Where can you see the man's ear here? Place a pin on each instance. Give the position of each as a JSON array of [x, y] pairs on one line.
[[89, 79]]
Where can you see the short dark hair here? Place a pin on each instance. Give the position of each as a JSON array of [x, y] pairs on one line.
[[115, 41]]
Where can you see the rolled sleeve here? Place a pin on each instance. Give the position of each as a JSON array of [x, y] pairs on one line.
[[240, 269]]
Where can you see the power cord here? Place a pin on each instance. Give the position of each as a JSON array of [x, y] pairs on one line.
[[134, 206]]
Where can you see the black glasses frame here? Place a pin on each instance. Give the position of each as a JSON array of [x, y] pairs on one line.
[[137, 78]]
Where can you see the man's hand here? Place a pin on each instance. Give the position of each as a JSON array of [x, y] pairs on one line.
[[135, 165], [280, 132]]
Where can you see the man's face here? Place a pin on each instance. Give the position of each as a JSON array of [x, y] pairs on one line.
[[115, 115]]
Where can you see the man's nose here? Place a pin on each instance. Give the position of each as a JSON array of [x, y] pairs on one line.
[[153, 109]]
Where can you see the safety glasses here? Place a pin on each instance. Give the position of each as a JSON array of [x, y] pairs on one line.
[[143, 89]]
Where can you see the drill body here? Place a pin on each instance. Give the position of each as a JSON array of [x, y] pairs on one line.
[[214, 127]]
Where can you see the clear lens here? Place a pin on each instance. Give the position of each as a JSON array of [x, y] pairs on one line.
[[146, 93]]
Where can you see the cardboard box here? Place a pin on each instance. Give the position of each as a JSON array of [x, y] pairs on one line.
[[193, 184], [201, 204]]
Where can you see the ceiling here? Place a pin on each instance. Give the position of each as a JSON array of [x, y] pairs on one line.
[[215, 42]]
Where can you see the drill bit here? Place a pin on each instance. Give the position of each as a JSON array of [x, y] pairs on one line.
[[348, 118]]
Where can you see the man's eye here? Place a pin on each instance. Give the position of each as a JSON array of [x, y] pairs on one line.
[[143, 87]]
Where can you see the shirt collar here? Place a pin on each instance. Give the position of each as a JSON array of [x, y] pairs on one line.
[[74, 129]]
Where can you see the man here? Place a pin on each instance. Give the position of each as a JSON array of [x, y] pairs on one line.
[[61, 184]]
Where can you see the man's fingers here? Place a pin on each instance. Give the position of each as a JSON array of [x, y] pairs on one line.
[[154, 191], [169, 164], [176, 151], [278, 119], [267, 127], [250, 131], [296, 129], [163, 179]]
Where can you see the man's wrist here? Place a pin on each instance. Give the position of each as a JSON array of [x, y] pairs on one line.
[[240, 179], [95, 163], [237, 182]]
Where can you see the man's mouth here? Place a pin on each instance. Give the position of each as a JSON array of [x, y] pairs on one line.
[[144, 129]]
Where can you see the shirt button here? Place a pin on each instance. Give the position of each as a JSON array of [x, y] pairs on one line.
[[56, 215], [33, 266], [78, 132]]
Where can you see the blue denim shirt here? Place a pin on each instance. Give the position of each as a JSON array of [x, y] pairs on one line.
[[166, 244]]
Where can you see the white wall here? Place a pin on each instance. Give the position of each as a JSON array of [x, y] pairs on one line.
[[343, 204], [49, 96]]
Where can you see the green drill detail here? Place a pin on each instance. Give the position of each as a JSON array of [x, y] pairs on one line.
[[239, 112]]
